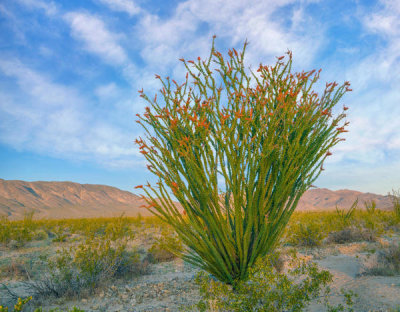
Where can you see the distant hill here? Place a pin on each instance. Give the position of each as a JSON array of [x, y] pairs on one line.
[[324, 199], [74, 200], [66, 200]]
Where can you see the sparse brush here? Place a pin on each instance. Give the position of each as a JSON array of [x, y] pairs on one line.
[[370, 206], [395, 197], [119, 228], [388, 262], [5, 230], [21, 304], [344, 217], [307, 235], [82, 269], [165, 248], [350, 235], [17, 233]]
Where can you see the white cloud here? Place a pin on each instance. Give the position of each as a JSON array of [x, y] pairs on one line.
[[48, 7], [38, 86], [56, 120], [177, 36], [127, 6], [96, 37], [107, 91]]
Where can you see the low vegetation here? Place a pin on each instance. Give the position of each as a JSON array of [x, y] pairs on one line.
[[78, 258], [270, 289]]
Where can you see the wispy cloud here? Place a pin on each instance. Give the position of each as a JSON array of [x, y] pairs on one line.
[[55, 119], [126, 6], [97, 39], [48, 7], [268, 36]]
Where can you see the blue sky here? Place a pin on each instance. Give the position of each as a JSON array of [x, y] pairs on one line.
[[70, 71]]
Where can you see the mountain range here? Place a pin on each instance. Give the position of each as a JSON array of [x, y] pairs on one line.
[[73, 200]]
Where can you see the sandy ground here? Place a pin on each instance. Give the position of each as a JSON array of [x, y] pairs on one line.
[[170, 285]]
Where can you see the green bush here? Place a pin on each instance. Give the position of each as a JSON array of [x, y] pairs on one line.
[[396, 204], [82, 269], [308, 235], [21, 303], [267, 289], [164, 249], [345, 218], [119, 228], [370, 206]]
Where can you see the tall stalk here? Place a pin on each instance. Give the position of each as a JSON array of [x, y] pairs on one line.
[[268, 142]]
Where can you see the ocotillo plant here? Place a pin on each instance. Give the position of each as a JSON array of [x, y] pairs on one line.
[[268, 143]]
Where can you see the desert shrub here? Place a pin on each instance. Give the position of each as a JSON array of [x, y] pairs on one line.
[[13, 269], [59, 234], [164, 249], [349, 235], [118, 228], [268, 143], [307, 235], [266, 289], [40, 235], [388, 262], [16, 234], [18, 306], [21, 304], [346, 217], [396, 204], [5, 230], [370, 206], [80, 270]]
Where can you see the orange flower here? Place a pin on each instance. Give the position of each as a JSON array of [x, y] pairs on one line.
[[139, 186], [157, 76], [329, 153], [235, 51], [280, 58], [174, 122]]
